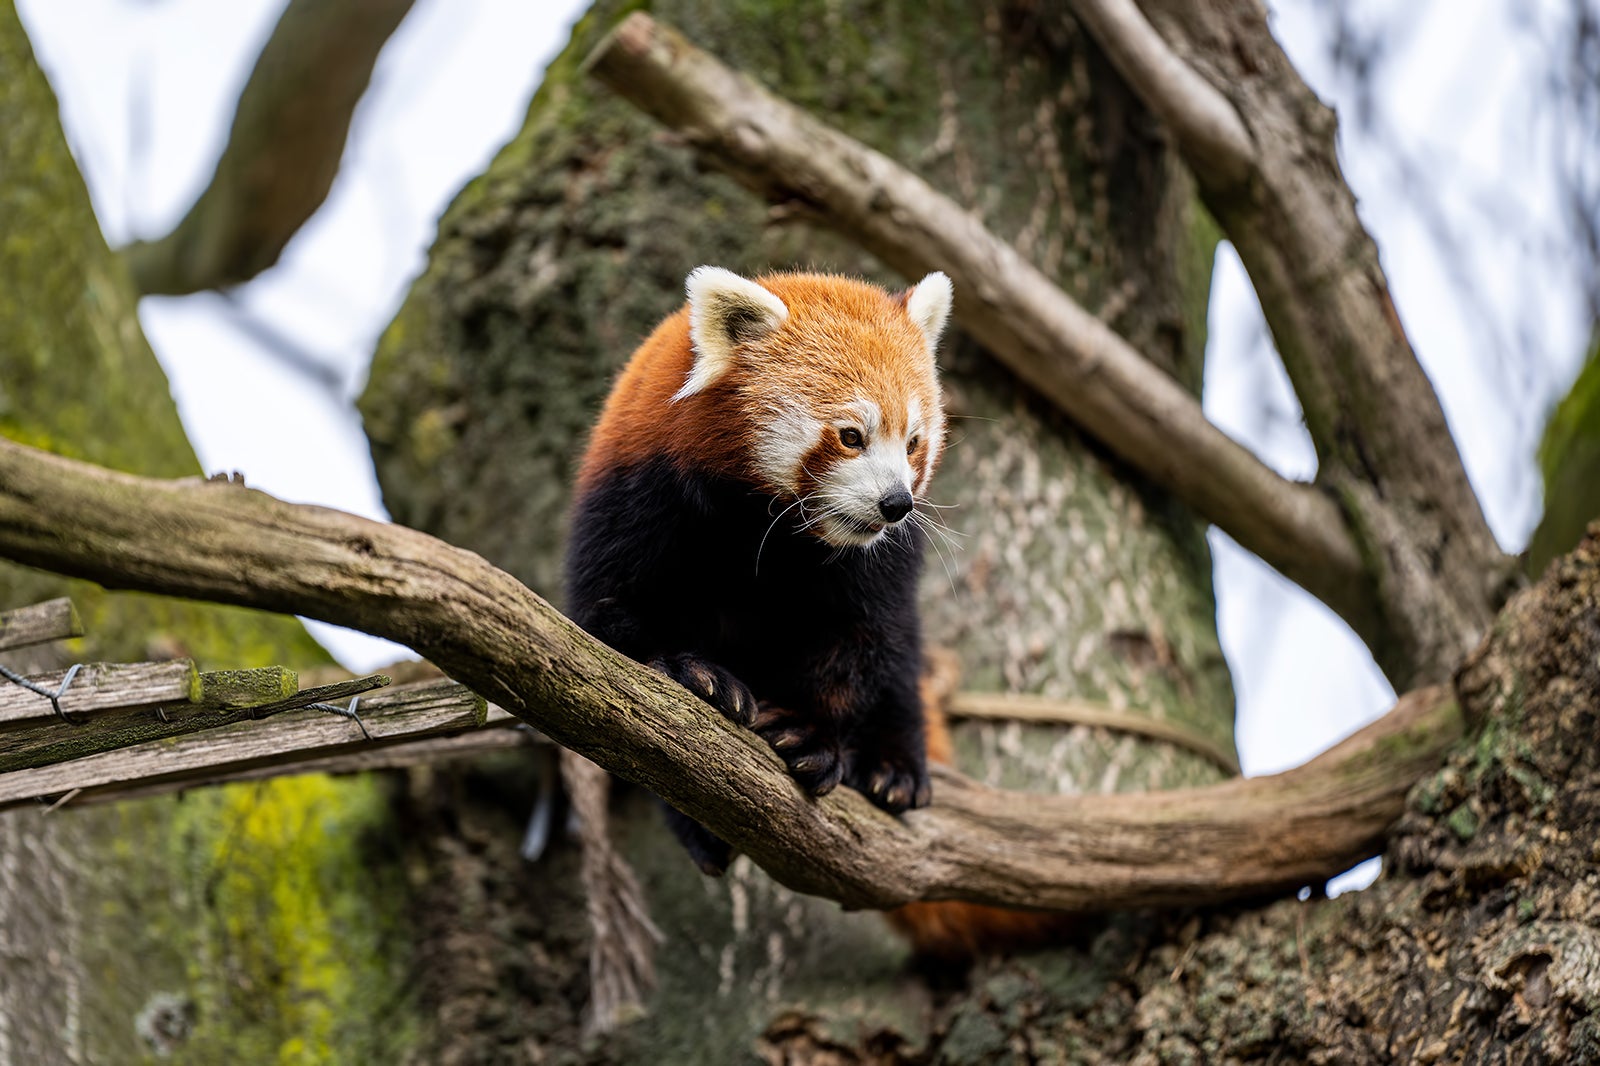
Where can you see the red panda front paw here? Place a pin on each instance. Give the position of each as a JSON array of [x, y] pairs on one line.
[[895, 784], [711, 683], [812, 756]]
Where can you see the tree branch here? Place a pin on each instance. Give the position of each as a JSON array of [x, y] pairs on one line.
[[1067, 354], [1207, 127], [219, 541], [1382, 443], [283, 152]]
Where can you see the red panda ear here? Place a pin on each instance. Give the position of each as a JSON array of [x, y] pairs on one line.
[[928, 304], [725, 310]]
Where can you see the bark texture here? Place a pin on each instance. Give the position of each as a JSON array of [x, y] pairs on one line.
[[1074, 580]]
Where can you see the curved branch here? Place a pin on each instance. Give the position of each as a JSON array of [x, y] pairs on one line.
[[1380, 433], [283, 152], [216, 540], [1207, 127], [1067, 354]]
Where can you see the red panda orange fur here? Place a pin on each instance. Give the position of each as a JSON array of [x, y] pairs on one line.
[[953, 930]]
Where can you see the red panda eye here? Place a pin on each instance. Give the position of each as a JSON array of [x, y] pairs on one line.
[[911, 445], [851, 438]]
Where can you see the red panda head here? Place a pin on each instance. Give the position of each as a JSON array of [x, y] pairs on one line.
[[829, 386]]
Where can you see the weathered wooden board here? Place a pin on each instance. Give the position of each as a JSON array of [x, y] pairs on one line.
[[39, 624], [391, 717], [226, 697], [98, 687]]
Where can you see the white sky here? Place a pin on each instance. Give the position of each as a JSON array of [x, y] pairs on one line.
[[147, 98]]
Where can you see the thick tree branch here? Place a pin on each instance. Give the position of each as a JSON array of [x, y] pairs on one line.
[[1063, 351], [219, 541], [283, 152], [1382, 443]]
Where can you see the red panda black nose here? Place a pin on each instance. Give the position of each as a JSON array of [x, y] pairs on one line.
[[895, 506]]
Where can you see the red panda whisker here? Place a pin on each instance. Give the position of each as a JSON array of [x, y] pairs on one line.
[[798, 502], [934, 522], [940, 551]]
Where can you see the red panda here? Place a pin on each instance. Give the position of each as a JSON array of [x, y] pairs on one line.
[[745, 522]]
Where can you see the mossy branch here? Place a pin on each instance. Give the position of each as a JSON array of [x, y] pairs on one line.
[[220, 541]]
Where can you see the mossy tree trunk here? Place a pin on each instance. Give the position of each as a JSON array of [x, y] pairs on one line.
[[244, 924], [1074, 579]]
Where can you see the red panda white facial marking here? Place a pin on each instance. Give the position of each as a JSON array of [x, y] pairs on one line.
[[836, 386]]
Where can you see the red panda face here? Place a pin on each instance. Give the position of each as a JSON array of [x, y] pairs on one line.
[[834, 386]]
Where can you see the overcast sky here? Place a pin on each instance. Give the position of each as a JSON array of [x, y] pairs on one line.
[[147, 95]]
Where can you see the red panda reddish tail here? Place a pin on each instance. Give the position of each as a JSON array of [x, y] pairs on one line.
[[952, 931]]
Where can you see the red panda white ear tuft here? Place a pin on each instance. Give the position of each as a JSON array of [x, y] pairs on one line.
[[928, 304], [725, 310]]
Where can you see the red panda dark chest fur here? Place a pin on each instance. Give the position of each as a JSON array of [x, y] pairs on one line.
[[745, 521]]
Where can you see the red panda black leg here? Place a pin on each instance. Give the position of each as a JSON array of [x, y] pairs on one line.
[[890, 773], [894, 782], [710, 852], [808, 748], [711, 683]]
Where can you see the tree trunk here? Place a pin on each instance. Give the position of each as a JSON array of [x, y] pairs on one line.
[[1074, 579], [210, 927]]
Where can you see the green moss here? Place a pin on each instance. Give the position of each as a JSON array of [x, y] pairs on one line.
[[1463, 822], [279, 923], [247, 688], [1569, 459], [303, 952]]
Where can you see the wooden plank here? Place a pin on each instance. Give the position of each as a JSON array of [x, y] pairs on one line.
[[39, 624], [224, 699], [338, 692], [100, 687], [394, 716], [489, 739], [222, 689]]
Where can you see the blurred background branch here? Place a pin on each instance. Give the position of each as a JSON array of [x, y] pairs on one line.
[[283, 152]]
